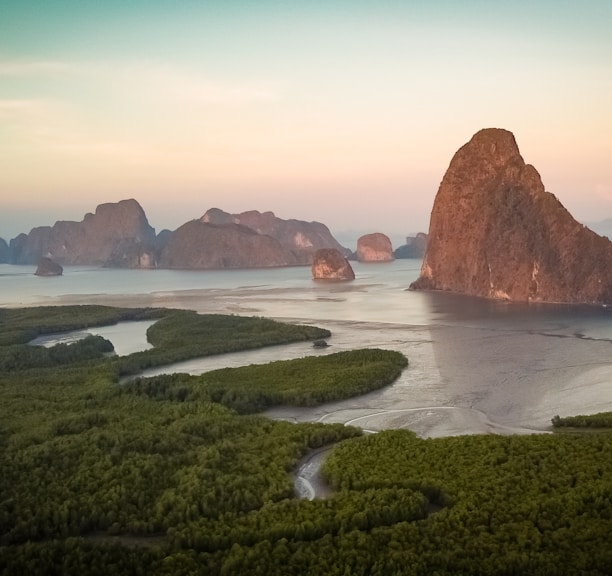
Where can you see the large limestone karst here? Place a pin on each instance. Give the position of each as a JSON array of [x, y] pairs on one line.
[[495, 232], [116, 235], [374, 247], [301, 238]]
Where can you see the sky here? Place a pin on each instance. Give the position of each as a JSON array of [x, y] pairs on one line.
[[343, 112]]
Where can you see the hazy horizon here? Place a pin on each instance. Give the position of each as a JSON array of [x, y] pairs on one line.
[[347, 113]]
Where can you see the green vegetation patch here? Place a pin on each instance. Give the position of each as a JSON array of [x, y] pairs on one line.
[[98, 477], [20, 325], [158, 478], [300, 382], [183, 334], [538, 504], [599, 420], [305, 381], [22, 356]]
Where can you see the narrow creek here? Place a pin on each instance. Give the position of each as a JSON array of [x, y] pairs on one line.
[[308, 482]]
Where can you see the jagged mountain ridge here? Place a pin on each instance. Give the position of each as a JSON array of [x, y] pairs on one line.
[[302, 238], [116, 235], [119, 235]]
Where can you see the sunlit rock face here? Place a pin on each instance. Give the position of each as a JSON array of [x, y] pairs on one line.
[[331, 264], [495, 232], [374, 248], [46, 267], [116, 235], [302, 238]]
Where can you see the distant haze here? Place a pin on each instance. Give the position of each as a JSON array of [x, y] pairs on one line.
[[347, 113], [603, 228]]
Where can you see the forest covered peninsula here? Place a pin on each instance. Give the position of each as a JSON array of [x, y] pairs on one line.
[[179, 474]]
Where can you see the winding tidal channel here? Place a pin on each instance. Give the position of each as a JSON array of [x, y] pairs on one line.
[[475, 366], [460, 380]]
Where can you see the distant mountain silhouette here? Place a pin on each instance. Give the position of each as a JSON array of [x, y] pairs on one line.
[[116, 235], [119, 235]]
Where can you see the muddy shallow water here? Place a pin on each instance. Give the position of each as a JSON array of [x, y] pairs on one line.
[[475, 366], [460, 380]]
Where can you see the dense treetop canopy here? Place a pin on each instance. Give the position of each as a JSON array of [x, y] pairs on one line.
[[178, 474]]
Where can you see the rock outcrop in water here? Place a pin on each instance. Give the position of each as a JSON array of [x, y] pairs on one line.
[[118, 235], [374, 247], [302, 239], [46, 267], [495, 232], [331, 264]]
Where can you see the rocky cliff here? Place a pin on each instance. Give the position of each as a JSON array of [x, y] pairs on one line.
[[203, 245], [4, 251], [301, 238], [495, 232], [331, 264], [374, 247], [117, 235]]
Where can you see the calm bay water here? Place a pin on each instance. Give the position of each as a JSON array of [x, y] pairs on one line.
[[475, 366]]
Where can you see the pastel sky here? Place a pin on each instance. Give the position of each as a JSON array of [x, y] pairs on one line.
[[345, 112]]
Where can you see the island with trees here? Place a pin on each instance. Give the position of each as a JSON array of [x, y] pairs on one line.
[[178, 474]]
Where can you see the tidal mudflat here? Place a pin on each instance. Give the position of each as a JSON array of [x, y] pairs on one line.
[[475, 366], [460, 380]]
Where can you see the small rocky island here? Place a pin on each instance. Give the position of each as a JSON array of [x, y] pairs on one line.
[[374, 247], [47, 267], [331, 264], [495, 232]]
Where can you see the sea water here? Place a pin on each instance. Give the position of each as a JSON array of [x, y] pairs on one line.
[[475, 365]]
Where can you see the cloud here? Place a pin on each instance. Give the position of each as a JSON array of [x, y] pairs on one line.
[[11, 107], [33, 67], [156, 79], [25, 109], [126, 110], [46, 124], [169, 82]]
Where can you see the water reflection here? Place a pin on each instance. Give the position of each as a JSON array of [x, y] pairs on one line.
[[555, 319], [127, 337]]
